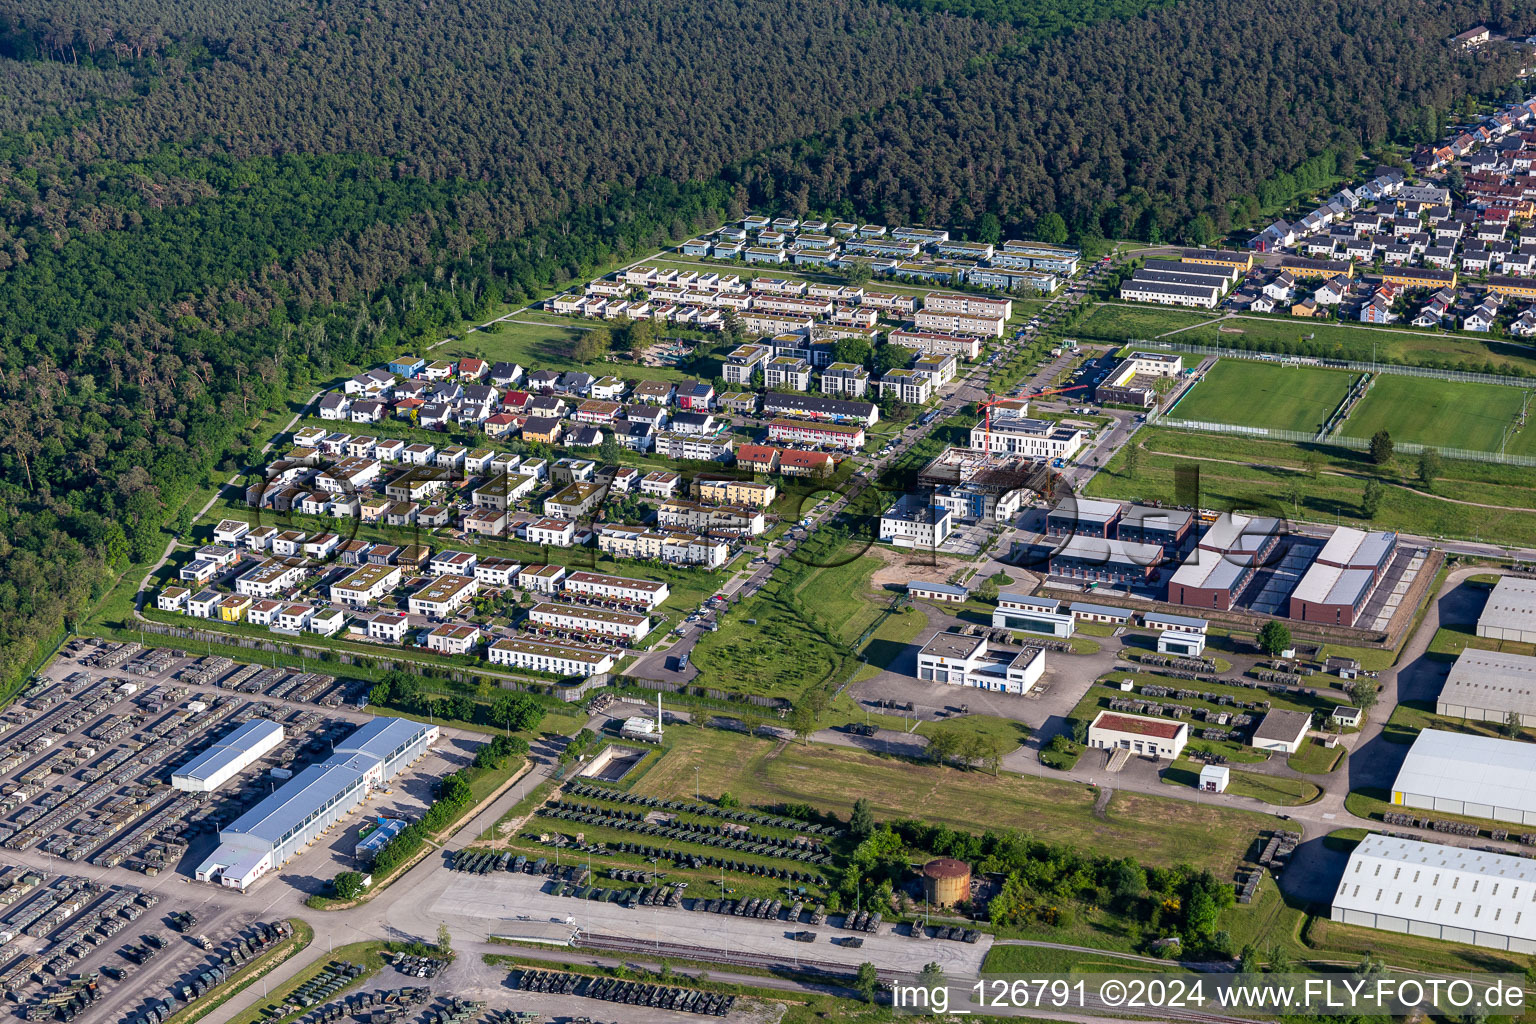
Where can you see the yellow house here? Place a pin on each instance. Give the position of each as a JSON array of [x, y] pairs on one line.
[[1306, 307], [1419, 277], [1243, 261], [736, 492], [1514, 287], [1300, 267], [234, 607]]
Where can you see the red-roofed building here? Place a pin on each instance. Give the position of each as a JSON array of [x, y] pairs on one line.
[[760, 458], [797, 463], [503, 423], [1149, 737], [514, 401], [472, 368]]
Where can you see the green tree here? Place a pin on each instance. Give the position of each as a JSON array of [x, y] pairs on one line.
[[1382, 447], [1051, 228], [932, 973], [867, 981], [1311, 465], [1511, 724], [444, 941], [1132, 457], [517, 712], [1363, 694], [861, 823], [1429, 467], [609, 450], [348, 885], [1274, 637], [1370, 498], [802, 719], [944, 745]]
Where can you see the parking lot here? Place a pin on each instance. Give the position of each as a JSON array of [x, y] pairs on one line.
[[521, 906], [99, 846]]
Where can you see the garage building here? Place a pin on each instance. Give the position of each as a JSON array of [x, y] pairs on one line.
[[1033, 615], [1224, 560], [1441, 892], [1336, 585], [1486, 686], [1510, 613], [1282, 731], [1153, 737], [267, 836], [1460, 773], [228, 756]]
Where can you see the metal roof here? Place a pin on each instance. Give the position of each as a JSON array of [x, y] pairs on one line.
[[1449, 886], [1512, 605], [308, 792], [1238, 533], [1356, 549], [1329, 584], [938, 588], [380, 737], [1088, 510], [1102, 549], [230, 749], [1085, 608], [1156, 518], [1492, 681], [1282, 725], [1174, 620], [1207, 570], [1463, 767]]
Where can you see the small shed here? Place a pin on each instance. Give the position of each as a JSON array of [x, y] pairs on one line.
[[1348, 717], [1181, 645], [1344, 668], [1214, 778]]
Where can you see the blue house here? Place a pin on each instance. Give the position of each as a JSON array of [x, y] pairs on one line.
[[407, 366]]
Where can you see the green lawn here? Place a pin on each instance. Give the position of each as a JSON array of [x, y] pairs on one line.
[[1119, 323], [1280, 790], [538, 341], [765, 773], [1426, 410], [1260, 394], [1253, 474], [1280, 333], [1316, 759]]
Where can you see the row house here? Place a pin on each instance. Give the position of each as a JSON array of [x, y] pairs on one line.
[[731, 520]]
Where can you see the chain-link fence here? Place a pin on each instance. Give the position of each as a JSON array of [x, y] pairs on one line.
[[1460, 376], [1358, 444]]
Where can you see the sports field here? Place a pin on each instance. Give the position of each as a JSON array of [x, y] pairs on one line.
[[1426, 410], [1265, 394]]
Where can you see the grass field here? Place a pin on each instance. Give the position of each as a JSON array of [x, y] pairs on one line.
[[1117, 322], [766, 773], [1358, 342], [1280, 790], [1253, 474], [1425, 410], [1316, 759], [1259, 394]]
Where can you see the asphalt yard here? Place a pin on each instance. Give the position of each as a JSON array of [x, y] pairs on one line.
[[518, 906]]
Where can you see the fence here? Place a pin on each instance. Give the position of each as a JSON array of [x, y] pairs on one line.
[[1460, 376], [1357, 444]]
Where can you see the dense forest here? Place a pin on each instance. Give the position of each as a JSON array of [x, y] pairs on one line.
[[1134, 127], [208, 209]]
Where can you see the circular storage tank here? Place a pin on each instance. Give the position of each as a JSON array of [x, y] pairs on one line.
[[946, 881]]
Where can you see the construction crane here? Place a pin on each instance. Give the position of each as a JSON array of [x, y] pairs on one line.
[[986, 407]]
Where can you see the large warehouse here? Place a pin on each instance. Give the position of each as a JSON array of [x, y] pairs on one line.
[[1342, 576], [1224, 560], [1478, 776], [1485, 686], [1510, 613], [228, 756], [267, 836], [1403, 885]]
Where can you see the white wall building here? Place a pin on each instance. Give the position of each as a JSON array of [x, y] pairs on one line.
[[1150, 737], [1451, 893]]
